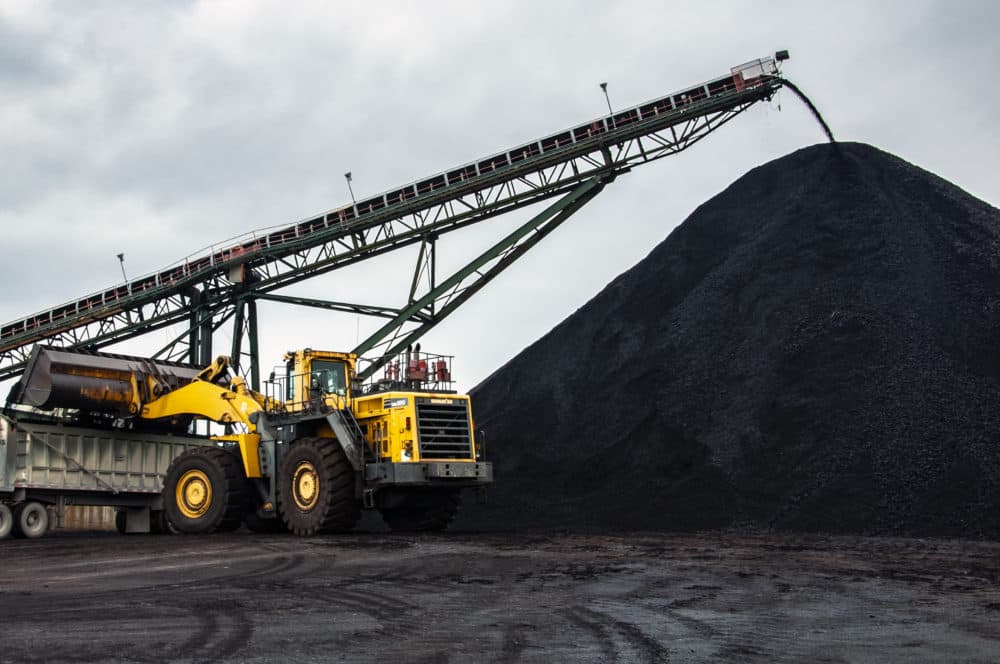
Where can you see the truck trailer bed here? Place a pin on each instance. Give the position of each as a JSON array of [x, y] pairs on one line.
[[58, 465]]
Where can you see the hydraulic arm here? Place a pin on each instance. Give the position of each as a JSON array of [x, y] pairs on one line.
[[125, 386]]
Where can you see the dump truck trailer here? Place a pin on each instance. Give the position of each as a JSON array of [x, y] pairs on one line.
[[305, 456], [47, 467]]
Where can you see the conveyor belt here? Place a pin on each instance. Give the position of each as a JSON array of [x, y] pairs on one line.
[[275, 257]]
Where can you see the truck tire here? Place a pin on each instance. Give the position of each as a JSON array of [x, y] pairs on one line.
[[205, 491], [423, 511], [121, 522], [316, 488], [6, 521], [31, 520]]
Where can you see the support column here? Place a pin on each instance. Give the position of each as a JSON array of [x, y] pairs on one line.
[[245, 324], [205, 337], [194, 355], [254, 347], [236, 353]]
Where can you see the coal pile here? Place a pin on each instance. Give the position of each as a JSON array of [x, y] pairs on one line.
[[814, 349]]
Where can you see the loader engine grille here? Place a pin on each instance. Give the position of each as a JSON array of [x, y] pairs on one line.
[[443, 429]]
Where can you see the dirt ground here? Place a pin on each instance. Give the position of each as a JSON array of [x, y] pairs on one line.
[[461, 597]]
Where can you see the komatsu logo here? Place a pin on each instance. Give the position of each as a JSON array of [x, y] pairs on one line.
[[446, 402], [398, 402]]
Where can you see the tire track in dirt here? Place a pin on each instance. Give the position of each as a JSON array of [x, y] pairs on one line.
[[648, 646], [603, 626], [381, 607], [597, 629], [227, 579], [282, 565], [223, 633], [512, 646], [102, 571], [208, 627]]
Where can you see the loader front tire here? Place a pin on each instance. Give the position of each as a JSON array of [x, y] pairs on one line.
[[205, 491], [423, 511], [316, 486]]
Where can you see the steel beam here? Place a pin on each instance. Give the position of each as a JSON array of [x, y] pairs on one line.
[[392, 337], [346, 307]]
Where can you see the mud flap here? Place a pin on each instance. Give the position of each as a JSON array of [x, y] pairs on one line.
[[137, 520]]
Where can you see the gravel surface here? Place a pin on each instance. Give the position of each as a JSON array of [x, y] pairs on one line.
[[814, 349], [497, 598]]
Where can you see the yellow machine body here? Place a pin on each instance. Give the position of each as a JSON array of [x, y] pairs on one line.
[[393, 431], [392, 422]]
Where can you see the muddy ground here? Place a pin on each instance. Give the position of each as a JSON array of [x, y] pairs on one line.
[[462, 597]]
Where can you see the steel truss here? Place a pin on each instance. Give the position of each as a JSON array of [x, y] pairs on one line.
[[234, 280]]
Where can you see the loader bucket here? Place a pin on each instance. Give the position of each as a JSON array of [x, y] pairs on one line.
[[95, 382]]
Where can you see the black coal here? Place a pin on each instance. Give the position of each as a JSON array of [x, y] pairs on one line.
[[814, 349]]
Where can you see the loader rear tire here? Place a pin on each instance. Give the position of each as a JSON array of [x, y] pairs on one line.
[[316, 486], [424, 511], [205, 491], [31, 520], [6, 521]]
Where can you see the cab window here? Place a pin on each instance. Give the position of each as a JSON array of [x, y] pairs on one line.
[[330, 376]]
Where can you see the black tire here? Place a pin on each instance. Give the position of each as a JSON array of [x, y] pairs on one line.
[[121, 524], [205, 491], [255, 524], [31, 520], [316, 488], [155, 522], [424, 511], [6, 521], [159, 524]]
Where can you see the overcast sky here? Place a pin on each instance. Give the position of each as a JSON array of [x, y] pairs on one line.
[[155, 129]]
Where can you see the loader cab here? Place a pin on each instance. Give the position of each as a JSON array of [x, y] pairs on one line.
[[312, 376]]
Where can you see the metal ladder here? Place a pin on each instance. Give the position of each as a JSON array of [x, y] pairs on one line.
[[349, 433]]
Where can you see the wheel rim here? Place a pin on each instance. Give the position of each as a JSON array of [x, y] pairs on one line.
[[194, 494], [305, 486]]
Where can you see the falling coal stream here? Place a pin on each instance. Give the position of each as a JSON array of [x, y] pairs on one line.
[[812, 107]]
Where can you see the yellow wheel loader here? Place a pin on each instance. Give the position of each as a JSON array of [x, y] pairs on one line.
[[305, 456]]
